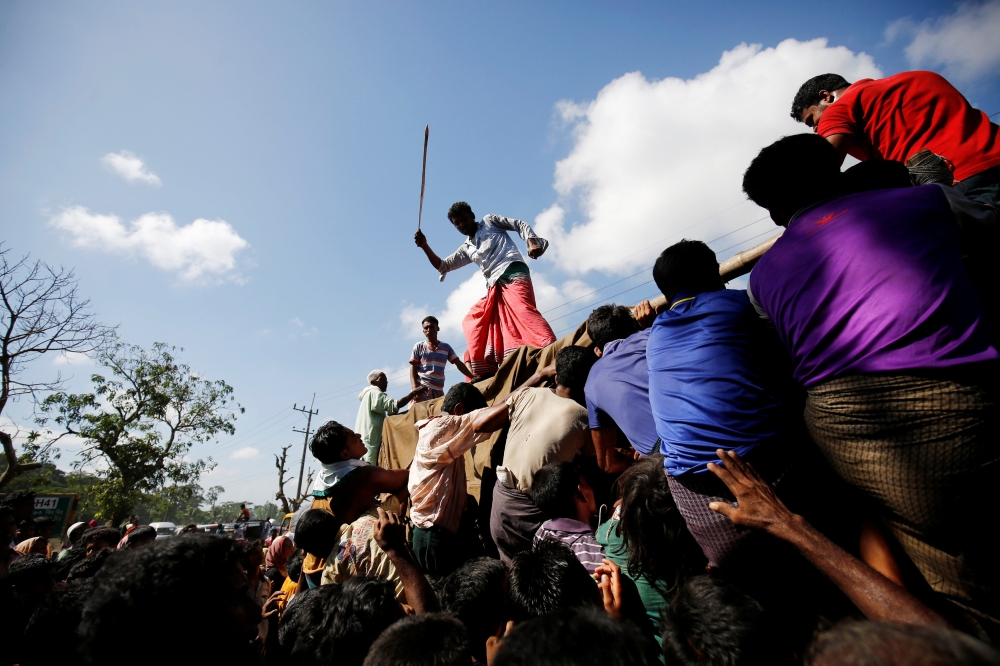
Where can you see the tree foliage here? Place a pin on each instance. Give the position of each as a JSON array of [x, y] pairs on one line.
[[139, 423], [40, 313]]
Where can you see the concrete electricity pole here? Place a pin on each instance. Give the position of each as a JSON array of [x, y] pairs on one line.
[[305, 443]]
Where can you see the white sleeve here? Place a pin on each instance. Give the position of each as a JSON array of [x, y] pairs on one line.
[[456, 259], [522, 228]]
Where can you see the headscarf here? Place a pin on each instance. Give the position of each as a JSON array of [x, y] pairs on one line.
[[32, 545], [276, 557]]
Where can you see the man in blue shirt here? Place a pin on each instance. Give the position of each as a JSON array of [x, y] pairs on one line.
[[709, 388], [618, 385]]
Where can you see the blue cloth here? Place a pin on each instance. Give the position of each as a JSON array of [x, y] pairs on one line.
[[709, 386], [618, 392]]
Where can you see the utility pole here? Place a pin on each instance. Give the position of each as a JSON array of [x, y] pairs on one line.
[[305, 443]]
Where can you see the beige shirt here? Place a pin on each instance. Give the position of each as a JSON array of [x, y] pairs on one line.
[[358, 554], [544, 428], [437, 475]]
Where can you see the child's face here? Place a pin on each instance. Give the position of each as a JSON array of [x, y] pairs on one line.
[[430, 330]]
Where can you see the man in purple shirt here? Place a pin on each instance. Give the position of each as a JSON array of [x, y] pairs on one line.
[[869, 294], [617, 387]]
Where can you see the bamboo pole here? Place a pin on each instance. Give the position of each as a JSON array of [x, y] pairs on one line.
[[739, 264]]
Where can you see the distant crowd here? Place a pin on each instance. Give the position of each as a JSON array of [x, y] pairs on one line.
[[798, 472]]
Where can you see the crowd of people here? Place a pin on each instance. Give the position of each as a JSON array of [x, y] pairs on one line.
[[795, 472]]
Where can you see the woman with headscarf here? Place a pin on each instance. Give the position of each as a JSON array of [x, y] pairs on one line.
[[36, 545], [277, 559]]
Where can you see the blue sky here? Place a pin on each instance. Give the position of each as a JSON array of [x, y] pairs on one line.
[[294, 134]]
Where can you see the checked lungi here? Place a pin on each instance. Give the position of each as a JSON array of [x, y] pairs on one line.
[[925, 453]]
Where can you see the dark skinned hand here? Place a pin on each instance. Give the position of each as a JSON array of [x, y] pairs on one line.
[[610, 584], [758, 505], [534, 249], [390, 532], [420, 239], [644, 313]]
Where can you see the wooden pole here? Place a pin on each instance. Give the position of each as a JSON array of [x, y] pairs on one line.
[[739, 264]]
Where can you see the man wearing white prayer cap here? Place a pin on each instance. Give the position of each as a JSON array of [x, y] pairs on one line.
[[375, 406]]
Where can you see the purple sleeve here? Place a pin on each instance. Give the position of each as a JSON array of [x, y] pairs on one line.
[[595, 417]]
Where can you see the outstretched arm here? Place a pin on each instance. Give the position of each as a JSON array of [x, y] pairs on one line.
[[390, 535], [759, 507], [463, 368], [412, 394], [421, 242], [608, 458]]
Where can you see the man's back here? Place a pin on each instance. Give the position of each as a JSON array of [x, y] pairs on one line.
[[544, 428], [873, 283], [895, 117]]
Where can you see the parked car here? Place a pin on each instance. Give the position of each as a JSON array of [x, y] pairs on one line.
[[163, 530]]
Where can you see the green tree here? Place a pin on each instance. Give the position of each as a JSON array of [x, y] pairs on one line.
[[139, 423]]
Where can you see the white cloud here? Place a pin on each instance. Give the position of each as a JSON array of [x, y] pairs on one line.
[[72, 358], [201, 251], [245, 453], [964, 44], [126, 164], [652, 158]]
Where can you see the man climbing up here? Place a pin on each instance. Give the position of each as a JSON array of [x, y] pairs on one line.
[[507, 317]]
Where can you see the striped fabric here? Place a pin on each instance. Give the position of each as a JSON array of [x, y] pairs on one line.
[[431, 362], [578, 536]]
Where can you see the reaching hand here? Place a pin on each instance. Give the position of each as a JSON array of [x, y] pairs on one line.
[[758, 505], [548, 372], [493, 643], [390, 532], [273, 605], [610, 584], [534, 249], [420, 239], [644, 314]]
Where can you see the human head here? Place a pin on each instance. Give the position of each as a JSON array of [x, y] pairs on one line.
[[378, 378], [333, 442], [51, 630], [573, 365], [463, 398], [140, 536], [547, 578], [474, 594], [430, 327], [460, 214], [152, 587], [434, 639], [75, 532], [294, 566], [653, 532], [888, 643], [31, 576], [560, 491], [89, 566], [608, 323], [100, 538], [316, 532], [43, 527], [688, 265], [133, 520], [338, 623], [815, 95], [792, 173], [8, 527], [190, 529], [711, 622], [251, 555], [576, 637], [23, 504]]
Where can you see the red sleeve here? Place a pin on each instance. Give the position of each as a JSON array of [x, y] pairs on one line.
[[838, 119]]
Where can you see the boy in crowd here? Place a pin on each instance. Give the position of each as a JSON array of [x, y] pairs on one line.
[[562, 494], [546, 425], [427, 363]]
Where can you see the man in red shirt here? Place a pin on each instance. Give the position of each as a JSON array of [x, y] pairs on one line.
[[896, 117]]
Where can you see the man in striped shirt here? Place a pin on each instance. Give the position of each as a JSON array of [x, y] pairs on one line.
[[428, 360], [563, 495]]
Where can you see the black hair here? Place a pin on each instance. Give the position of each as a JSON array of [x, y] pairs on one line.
[[6, 512], [875, 175], [43, 522], [316, 532], [573, 364], [474, 594], [51, 630], [576, 637], [808, 94], [793, 172], [610, 322], [107, 534], [19, 498], [434, 639], [687, 265], [141, 532], [328, 442], [863, 643], [466, 394], [711, 622], [553, 489], [338, 623], [294, 564], [429, 318], [90, 565], [26, 569], [151, 587], [460, 209], [547, 578], [249, 551], [654, 534]]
